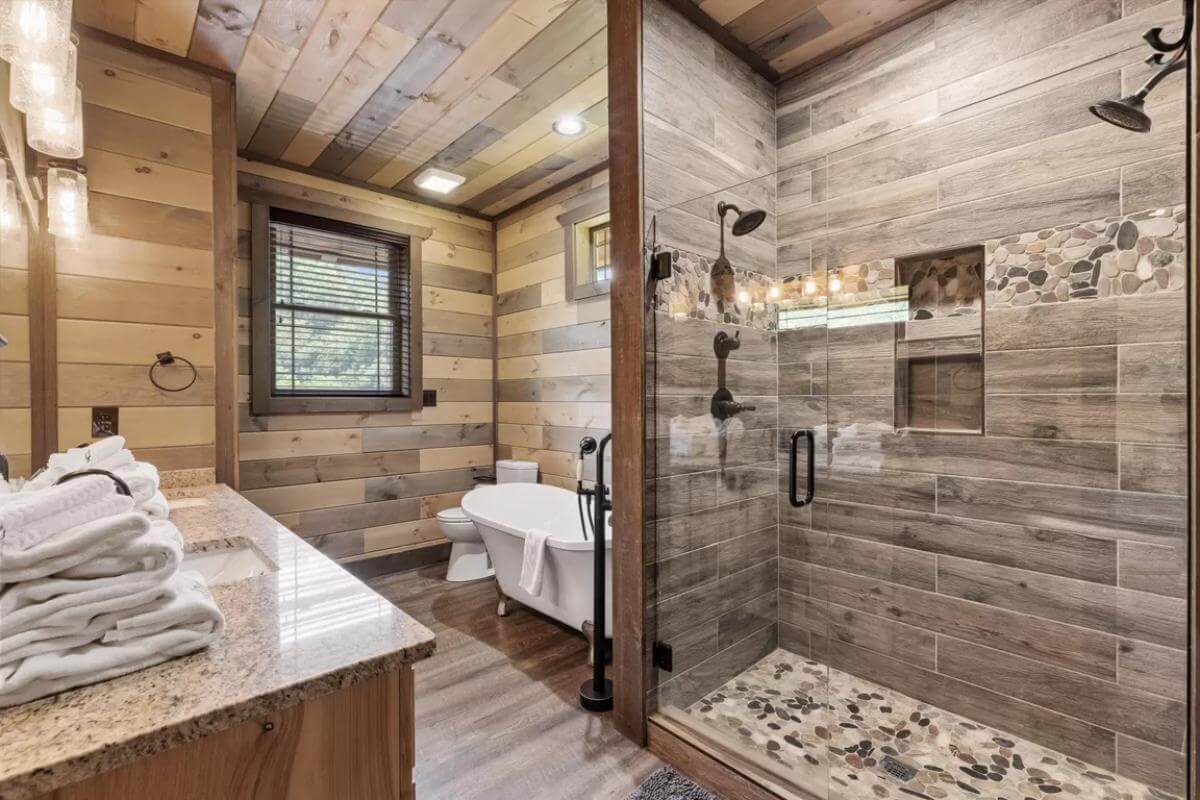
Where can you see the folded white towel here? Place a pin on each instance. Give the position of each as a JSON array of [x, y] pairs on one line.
[[157, 507], [70, 547], [108, 453], [52, 672], [533, 563], [188, 605], [57, 602], [33, 517], [142, 478]]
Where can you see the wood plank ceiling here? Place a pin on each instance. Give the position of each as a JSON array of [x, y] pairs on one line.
[[378, 90], [783, 37]]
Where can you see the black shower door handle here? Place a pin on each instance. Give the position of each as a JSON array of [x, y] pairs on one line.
[[810, 479]]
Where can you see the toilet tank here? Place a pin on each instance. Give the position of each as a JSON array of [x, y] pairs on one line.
[[512, 471]]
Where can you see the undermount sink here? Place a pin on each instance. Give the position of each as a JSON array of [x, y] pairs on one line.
[[227, 565]]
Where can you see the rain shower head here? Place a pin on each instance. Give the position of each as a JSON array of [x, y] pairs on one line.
[[1128, 113], [745, 222]]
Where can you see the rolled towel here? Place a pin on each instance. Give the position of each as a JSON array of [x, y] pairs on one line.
[[70, 547], [112, 582], [33, 517], [142, 478], [157, 507], [533, 562], [52, 672]]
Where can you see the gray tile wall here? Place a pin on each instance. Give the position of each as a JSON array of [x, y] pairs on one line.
[[1032, 578]]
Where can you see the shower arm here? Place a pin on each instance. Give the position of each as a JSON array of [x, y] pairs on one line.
[[1177, 62]]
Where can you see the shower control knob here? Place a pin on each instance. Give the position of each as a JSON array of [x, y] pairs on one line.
[[724, 406]]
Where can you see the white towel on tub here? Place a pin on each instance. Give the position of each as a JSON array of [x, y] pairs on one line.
[[533, 565]]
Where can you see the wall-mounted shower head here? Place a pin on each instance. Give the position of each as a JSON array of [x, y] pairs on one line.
[[1128, 113], [745, 222]]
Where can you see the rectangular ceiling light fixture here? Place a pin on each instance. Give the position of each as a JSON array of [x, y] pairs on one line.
[[440, 181]]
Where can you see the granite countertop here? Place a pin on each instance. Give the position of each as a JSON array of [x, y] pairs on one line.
[[303, 629]]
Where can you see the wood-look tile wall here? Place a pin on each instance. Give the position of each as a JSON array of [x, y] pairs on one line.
[[712, 566], [1032, 578], [15, 417], [141, 281], [553, 360], [364, 485], [709, 127]]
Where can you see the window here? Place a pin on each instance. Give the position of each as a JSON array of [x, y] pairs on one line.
[[587, 250], [601, 262], [336, 315]]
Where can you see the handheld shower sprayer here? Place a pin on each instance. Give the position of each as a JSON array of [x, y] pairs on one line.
[[587, 446]]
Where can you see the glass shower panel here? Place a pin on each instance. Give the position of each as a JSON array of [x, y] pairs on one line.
[[724, 409]]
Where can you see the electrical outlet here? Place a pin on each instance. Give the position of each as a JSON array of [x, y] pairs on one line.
[[429, 397], [105, 421]]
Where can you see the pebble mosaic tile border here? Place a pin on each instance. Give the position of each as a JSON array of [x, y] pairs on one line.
[[825, 727], [1140, 253]]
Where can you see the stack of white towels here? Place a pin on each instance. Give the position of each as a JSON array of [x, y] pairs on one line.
[[90, 586]]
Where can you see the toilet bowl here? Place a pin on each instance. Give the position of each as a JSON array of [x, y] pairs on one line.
[[469, 559]]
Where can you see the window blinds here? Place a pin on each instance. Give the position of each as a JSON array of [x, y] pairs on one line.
[[341, 302]]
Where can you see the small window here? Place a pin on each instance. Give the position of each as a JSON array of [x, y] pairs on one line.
[[587, 251], [336, 316], [601, 262]]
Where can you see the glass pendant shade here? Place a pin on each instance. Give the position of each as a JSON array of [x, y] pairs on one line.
[[35, 32], [55, 133], [66, 202], [41, 86]]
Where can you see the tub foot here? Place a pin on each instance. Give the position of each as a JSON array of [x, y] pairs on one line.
[[502, 603]]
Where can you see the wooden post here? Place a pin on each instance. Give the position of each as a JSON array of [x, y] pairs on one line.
[[224, 217]]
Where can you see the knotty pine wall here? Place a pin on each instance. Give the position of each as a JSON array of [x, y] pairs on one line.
[[365, 485], [141, 281], [553, 360]]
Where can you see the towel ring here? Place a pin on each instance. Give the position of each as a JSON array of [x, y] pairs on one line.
[[167, 359], [122, 486]]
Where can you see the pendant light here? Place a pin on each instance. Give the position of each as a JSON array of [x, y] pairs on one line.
[[55, 131], [67, 200], [35, 32], [41, 86]]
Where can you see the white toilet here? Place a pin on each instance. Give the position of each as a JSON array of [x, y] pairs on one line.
[[468, 557]]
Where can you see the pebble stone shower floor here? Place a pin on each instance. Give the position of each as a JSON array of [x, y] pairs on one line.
[[822, 726]]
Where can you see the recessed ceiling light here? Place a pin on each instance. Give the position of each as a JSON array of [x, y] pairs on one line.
[[568, 126], [440, 181]]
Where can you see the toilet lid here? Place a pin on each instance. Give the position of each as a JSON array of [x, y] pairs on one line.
[[455, 514]]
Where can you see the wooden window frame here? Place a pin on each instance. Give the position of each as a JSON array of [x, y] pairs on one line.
[[570, 221], [263, 400]]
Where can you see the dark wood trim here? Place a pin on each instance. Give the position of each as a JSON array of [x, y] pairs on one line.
[[225, 310], [357, 184], [858, 41], [628, 378], [576, 291], [691, 10], [104, 37], [702, 767], [43, 336], [262, 401], [558, 187]]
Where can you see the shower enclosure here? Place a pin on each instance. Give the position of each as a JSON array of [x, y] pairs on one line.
[[917, 444]]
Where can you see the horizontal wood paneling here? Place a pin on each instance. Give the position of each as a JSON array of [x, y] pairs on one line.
[[141, 280], [360, 485], [554, 362]]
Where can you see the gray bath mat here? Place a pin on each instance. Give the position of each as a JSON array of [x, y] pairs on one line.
[[667, 784]]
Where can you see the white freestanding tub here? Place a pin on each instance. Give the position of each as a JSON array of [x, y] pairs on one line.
[[504, 512]]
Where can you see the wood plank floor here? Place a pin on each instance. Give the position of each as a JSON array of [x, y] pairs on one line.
[[497, 710]]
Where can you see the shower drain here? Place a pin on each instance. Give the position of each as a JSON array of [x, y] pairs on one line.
[[898, 769]]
